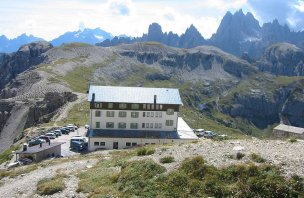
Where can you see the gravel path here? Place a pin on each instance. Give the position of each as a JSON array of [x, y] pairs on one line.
[[64, 111], [288, 156], [25, 185]]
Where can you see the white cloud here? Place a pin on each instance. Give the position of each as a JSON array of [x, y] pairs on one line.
[[49, 19]]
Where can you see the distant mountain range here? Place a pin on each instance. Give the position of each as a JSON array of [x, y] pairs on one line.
[[90, 36], [87, 35], [12, 45], [237, 34]]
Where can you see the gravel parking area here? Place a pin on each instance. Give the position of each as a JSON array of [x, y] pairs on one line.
[[65, 148]]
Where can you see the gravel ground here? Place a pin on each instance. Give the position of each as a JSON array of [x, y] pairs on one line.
[[25, 185], [288, 156]]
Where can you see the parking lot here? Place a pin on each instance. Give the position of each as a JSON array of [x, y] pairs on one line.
[[65, 148]]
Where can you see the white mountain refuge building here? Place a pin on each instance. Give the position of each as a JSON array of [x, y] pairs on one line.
[[122, 117]]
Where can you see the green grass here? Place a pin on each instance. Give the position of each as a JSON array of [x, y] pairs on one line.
[[18, 171], [166, 159], [293, 140], [51, 186], [98, 180], [7, 154], [257, 158], [79, 78], [145, 151], [79, 114]]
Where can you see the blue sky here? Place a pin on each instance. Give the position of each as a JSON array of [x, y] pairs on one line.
[[50, 18]]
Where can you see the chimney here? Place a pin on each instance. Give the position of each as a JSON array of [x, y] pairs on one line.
[[93, 97], [24, 147], [155, 97]]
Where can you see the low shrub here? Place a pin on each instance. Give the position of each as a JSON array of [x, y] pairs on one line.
[[293, 139], [166, 159], [50, 186], [145, 151], [257, 158], [239, 155]]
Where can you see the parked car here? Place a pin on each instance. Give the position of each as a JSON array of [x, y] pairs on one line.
[[65, 131], [34, 142], [86, 126], [200, 132], [46, 138], [58, 132], [25, 161], [209, 134], [78, 146], [72, 125], [79, 139], [51, 135]]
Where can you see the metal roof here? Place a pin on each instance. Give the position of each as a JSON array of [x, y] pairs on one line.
[[290, 129], [37, 148], [135, 95]]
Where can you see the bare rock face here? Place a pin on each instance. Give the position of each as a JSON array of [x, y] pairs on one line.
[[283, 59], [27, 56]]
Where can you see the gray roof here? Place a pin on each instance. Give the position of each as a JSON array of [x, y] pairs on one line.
[[135, 95], [290, 129], [37, 148]]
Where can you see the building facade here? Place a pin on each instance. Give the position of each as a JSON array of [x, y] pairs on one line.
[[120, 115], [285, 131]]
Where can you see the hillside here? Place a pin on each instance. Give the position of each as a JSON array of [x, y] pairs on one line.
[[198, 169], [220, 91]]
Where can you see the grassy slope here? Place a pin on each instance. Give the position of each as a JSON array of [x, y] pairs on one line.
[[80, 77]]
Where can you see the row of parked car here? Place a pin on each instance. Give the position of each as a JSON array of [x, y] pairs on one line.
[[205, 134], [52, 134]]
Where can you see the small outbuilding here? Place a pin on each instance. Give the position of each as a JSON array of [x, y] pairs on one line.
[[284, 131], [40, 152]]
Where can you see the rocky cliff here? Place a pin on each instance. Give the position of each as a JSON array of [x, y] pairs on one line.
[[26, 57], [283, 59]]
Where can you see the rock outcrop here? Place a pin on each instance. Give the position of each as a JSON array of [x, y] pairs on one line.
[[27, 56], [283, 59]]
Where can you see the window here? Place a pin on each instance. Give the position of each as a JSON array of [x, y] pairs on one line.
[[97, 105], [122, 114], [159, 125], [151, 125], [147, 125], [110, 105], [157, 107], [144, 114], [156, 114], [152, 114], [96, 143], [169, 122], [148, 114], [152, 106], [161, 107], [97, 113], [170, 111], [143, 125], [134, 114], [122, 105], [110, 125], [156, 125], [160, 114], [110, 113], [148, 106], [128, 143], [134, 144], [144, 106], [102, 143], [97, 125], [134, 106], [133, 125], [122, 125]]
